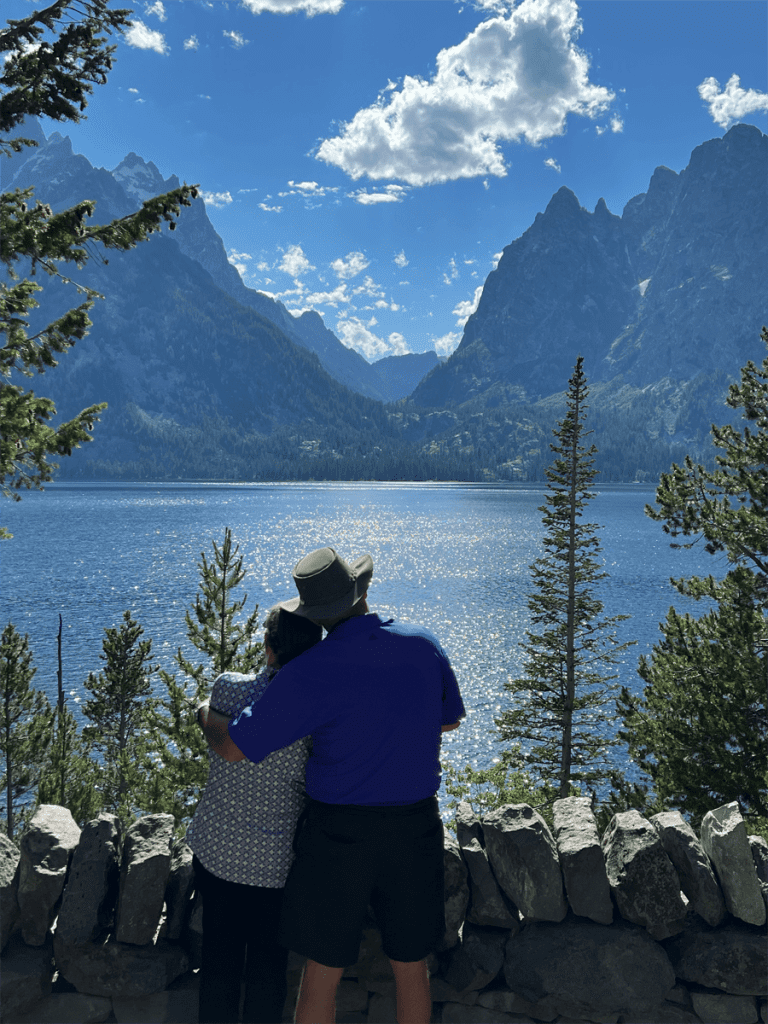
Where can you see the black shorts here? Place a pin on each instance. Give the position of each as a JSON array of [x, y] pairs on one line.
[[349, 856]]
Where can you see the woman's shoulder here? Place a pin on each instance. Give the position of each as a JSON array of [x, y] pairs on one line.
[[232, 691]]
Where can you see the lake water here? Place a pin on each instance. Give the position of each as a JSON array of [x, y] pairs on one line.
[[453, 557]]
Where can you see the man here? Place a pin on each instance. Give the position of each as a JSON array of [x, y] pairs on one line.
[[375, 696]]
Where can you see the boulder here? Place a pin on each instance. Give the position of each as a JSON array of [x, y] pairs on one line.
[[143, 878], [9, 888], [488, 904], [759, 848], [697, 879], [178, 892], [457, 1013], [502, 1000], [116, 969], [158, 1008], [46, 848], [468, 826], [456, 892], [724, 1009], [644, 883], [25, 978], [581, 859], [523, 856], [476, 960], [68, 1008], [731, 959], [724, 837], [88, 905], [588, 970]]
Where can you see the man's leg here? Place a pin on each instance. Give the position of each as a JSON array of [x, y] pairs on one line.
[[414, 998], [317, 994]]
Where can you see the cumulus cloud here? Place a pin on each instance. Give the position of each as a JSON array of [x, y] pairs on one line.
[[397, 344], [514, 77], [447, 344], [731, 103], [454, 273], [334, 298], [465, 309], [308, 189], [270, 209], [239, 261], [217, 199], [157, 9], [391, 194], [191, 43], [353, 333], [553, 164], [143, 38], [294, 262], [401, 259], [617, 125], [354, 264], [236, 38], [310, 7], [133, 90]]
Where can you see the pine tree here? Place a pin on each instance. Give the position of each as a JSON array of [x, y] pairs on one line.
[[228, 645], [25, 726], [53, 59], [561, 700], [699, 729], [121, 711]]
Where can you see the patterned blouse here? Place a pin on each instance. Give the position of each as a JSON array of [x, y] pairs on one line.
[[242, 830]]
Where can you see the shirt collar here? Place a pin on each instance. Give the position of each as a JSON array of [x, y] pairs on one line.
[[357, 624]]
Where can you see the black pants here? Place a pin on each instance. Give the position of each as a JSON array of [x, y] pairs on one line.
[[240, 934]]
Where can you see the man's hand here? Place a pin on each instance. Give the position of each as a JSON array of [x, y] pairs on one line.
[[216, 733]]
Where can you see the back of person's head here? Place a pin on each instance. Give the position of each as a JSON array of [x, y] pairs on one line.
[[289, 635]]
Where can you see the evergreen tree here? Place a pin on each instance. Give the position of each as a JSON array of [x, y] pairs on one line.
[[52, 60], [182, 753], [699, 729], [121, 711], [25, 726], [561, 699]]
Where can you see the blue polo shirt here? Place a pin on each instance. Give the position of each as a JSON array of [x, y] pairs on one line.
[[373, 696]]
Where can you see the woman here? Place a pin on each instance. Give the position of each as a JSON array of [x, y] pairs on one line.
[[241, 836]]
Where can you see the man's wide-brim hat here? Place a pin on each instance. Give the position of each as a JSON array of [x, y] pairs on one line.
[[328, 586]]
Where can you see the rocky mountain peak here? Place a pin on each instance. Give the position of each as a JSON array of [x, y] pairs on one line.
[[141, 180], [562, 204]]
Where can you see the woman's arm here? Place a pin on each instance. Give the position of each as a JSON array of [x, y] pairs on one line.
[[215, 730]]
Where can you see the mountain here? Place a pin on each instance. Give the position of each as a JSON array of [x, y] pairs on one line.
[[673, 289]]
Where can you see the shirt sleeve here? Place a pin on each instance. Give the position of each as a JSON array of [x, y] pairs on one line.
[[283, 714], [453, 705]]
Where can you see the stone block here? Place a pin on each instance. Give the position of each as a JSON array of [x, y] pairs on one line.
[[88, 904], [641, 876], [192, 936], [724, 838], [759, 848], [730, 958], [382, 1009], [351, 997], [456, 892], [143, 878], [668, 1013], [588, 970], [477, 959], [117, 969], [763, 1003], [523, 856], [68, 1008], [715, 1008], [9, 888], [468, 825], [506, 1001], [178, 892], [697, 879], [458, 1013], [26, 975], [46, 849], [178, 1007], [488, 904], [581, 859]]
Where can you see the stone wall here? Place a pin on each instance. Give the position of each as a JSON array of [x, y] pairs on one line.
[[649, 924]]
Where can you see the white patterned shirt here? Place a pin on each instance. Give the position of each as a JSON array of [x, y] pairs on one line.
[[242, 830]]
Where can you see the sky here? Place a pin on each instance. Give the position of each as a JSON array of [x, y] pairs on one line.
[[371, 160]]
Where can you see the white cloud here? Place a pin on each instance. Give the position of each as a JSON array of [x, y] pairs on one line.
[[401, 259], [329, 298], [217, 199], [465, 309], [310, 7], [144, 38], [617, 125], [391, 194], [733, 103], [453, 274], [495, 258], [553, 164], [355, 263], [236, 38], [239, 256], [512, 77], [398, 344], [157, 9], [355, 334], [294, 262], [191, 43], [370, 288], [270, 209], [447, 344], [133, 90]]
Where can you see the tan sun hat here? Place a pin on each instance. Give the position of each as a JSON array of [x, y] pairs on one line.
[[327, 585]]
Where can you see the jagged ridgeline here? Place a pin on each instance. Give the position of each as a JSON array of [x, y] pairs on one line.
[[206, 378]]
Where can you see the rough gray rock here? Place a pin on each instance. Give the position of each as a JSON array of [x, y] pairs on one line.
[[9, 888], [723, 1009], [488, 904], [724, 837], [143, 878], [46, 849], [759, 848], [729, 958], [456, 892], [178, 892], [117, 969], [25, 978], [68, 1008], [159, 1008], [589, 970], [582, 860], [477, 959], [505, 1001], [644, 883], [697, 879], [523, 856], [87, 907]]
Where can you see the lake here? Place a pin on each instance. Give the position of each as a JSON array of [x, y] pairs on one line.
[[453, 557]]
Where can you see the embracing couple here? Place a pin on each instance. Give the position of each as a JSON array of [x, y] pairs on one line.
[[321, 800]]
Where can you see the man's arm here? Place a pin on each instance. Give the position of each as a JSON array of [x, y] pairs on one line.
[[216, 733], [447, 728]]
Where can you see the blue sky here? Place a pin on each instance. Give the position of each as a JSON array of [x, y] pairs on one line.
[[371, 160]]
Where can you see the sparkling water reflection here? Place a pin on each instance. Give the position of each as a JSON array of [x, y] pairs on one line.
[[452, 557]]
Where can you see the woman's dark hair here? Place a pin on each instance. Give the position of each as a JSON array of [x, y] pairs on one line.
[[289, 635]]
